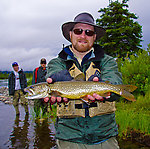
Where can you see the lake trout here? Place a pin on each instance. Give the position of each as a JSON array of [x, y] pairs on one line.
[[78, 90]]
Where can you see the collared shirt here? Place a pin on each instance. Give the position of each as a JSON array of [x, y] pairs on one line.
[[17, 81], [71, 55]]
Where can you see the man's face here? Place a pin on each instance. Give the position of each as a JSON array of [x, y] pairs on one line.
[[43, 65], [82, 42], [16, 68]]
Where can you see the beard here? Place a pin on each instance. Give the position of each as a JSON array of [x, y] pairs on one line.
[[81, 45]]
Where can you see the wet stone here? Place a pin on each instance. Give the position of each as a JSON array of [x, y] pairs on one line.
[[4, 97]]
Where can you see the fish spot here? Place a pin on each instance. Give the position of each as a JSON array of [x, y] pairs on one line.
[[121, 92]]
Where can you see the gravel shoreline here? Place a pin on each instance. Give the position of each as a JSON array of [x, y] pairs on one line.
[[4, 97]]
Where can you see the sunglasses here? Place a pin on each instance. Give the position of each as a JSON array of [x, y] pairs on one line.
[[79, 31], [43, 62]]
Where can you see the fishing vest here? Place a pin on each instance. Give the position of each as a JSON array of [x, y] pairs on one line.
[[76, 108]]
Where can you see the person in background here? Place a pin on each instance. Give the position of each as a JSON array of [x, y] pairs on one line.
[[39, 74], [78, 124], [16, 84]]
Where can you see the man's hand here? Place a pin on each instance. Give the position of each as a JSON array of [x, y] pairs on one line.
[[54, 99], [49, 80], [96, 96]]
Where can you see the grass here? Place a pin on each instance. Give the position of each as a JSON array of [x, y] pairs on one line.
[[50, 114], [134, 115], [29, 82]]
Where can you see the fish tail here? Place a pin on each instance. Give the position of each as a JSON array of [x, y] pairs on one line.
[[129, 88], [127, 95]]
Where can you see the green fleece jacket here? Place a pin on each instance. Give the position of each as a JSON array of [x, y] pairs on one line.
[[88, 130]]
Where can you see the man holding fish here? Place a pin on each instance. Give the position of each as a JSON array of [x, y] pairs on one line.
[[80, 125], [85, 109]]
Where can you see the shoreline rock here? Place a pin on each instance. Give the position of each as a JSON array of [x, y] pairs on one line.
[[4, 97], [140, 137]]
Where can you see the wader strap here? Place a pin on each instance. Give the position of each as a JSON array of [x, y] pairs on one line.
[[74, 71], [91, 70], [82, 106]]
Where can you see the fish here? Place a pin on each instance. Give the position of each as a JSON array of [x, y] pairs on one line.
[[78, 90]]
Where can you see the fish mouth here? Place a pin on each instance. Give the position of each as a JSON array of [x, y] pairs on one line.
[[38, 96], [29, 91], [31, 94]]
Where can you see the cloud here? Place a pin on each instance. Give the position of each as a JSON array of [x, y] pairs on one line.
[[31, 29], [30, 23], [27, 59], [141, 9]]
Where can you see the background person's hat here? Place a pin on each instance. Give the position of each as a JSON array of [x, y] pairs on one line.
[[14, 64], [85, 18], [43, 60]]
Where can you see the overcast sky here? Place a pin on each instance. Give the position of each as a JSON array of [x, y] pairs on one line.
[[31, 29]]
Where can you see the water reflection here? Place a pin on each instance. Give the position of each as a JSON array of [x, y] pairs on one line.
[[43, 134], [43, 138], [24, 132], [19, 135]]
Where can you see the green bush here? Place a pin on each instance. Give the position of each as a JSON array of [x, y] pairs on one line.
[[29, 76], [4, 75], [29, 81], [134, 115], [136, 70]]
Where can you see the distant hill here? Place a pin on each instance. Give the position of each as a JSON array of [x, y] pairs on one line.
[[7, 72]]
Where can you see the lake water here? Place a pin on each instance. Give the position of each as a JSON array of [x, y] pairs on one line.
[[4, 83], [24, 132]]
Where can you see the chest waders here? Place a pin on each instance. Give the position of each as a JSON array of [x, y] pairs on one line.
[[76, 108]]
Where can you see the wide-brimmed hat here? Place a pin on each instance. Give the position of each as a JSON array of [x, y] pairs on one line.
[[85, 18]]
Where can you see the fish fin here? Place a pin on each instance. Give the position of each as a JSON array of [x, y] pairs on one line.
[[55, 93], [127, 95], [129, 88], [80, 77], [107, 82], [107, 94], [85, 99]]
